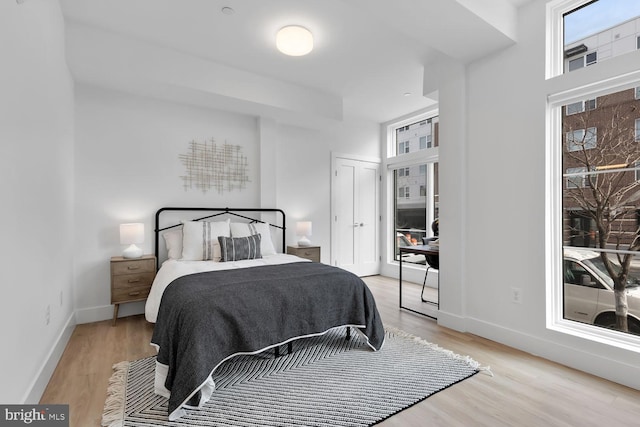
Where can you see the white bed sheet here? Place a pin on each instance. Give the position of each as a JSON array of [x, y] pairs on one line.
[[172, 269]]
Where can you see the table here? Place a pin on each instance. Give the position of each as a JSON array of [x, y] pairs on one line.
[[419, 250]]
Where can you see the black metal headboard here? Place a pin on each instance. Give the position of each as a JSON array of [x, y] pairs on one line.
[[214, 212]]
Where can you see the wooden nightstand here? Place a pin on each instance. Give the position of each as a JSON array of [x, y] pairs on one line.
[[131, 280], [308, 252]]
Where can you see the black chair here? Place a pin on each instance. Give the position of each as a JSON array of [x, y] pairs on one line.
[[433, 261]]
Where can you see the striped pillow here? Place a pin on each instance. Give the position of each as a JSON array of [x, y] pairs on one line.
[[238, 248], [200, 239]]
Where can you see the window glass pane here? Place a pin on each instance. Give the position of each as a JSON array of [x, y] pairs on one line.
[[602, 29], [576, 177], [601, 209], [436, 192], [590, 104], [574, 64], [410, 207], [417, 136], [576, 107]]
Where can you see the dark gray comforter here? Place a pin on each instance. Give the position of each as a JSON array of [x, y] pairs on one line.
[[206, 317]]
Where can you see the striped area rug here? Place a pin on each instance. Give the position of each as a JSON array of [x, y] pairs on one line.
[[326, 381]]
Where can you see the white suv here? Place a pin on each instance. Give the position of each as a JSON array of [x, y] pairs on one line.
[[588, 291]]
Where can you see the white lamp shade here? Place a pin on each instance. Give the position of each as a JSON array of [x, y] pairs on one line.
[[131, 234], [303, 229], [294, 40]]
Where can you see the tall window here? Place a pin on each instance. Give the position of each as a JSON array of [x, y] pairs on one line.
[[595, 151], [413, 169]]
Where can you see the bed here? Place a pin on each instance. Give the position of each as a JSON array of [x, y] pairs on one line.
[[225, 289]]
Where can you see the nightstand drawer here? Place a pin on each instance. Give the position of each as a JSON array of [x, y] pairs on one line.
[[309, 252], [130, 293], [132, 280], [133, 266]]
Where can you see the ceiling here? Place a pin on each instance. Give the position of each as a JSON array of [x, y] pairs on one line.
[[368, 59]]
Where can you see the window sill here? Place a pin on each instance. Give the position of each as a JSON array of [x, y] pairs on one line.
[[597, 334]]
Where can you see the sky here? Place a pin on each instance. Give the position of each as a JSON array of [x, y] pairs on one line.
[[598, 16]]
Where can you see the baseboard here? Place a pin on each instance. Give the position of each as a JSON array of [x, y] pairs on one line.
[[105, 312], [452, 321], [563, 352], [39, 384]]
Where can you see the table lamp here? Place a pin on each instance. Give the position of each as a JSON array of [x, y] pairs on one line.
[[132, 234], [303, 228]]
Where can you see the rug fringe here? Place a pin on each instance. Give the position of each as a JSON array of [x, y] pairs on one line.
[[113, 413], [467, 359]]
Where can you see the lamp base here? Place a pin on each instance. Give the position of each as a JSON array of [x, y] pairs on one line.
[[304, 241], [132, 252]]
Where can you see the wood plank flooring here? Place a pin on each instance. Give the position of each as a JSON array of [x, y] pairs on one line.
[[524, 391]]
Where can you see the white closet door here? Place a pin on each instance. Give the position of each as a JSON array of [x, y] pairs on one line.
[[355, 212]]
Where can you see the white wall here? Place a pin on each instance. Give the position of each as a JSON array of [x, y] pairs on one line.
[[127, 167], [304, 172], [36, 166], [504, 203]]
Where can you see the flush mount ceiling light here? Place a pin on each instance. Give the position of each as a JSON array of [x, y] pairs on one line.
[[294, 40]]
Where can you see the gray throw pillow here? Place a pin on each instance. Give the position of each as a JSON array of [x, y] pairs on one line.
[[238, 248]]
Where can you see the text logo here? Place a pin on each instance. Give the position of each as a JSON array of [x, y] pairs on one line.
[[34, 415]]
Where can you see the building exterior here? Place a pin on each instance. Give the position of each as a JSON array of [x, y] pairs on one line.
[[606, 44], [601, 157], [600, 152]]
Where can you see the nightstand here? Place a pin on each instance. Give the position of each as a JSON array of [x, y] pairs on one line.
[[131, 280], [309, 252]]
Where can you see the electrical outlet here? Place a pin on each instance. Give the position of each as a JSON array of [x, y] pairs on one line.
[[47, 314], [516, 295]]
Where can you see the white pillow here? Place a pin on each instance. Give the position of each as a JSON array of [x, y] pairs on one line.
[[243, 229], [173, 243], [200, 239]]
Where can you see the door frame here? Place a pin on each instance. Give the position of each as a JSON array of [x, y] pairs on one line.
[[334, 238]]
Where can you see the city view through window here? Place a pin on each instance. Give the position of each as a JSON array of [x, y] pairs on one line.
[[601, 169], [415, 184]]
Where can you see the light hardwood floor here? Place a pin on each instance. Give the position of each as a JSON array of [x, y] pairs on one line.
[[524, 391]]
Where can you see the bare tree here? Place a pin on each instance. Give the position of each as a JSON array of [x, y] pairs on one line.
[[601, 144]]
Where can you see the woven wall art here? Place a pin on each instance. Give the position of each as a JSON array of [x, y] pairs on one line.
[[211, 166]]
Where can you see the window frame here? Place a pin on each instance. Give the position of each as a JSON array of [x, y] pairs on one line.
[[615, 74], [584, 105], [394, 161]]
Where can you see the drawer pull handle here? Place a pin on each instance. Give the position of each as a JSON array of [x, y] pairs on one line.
[[134, 294], [133, 280], [307, 253], [133, 267]]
